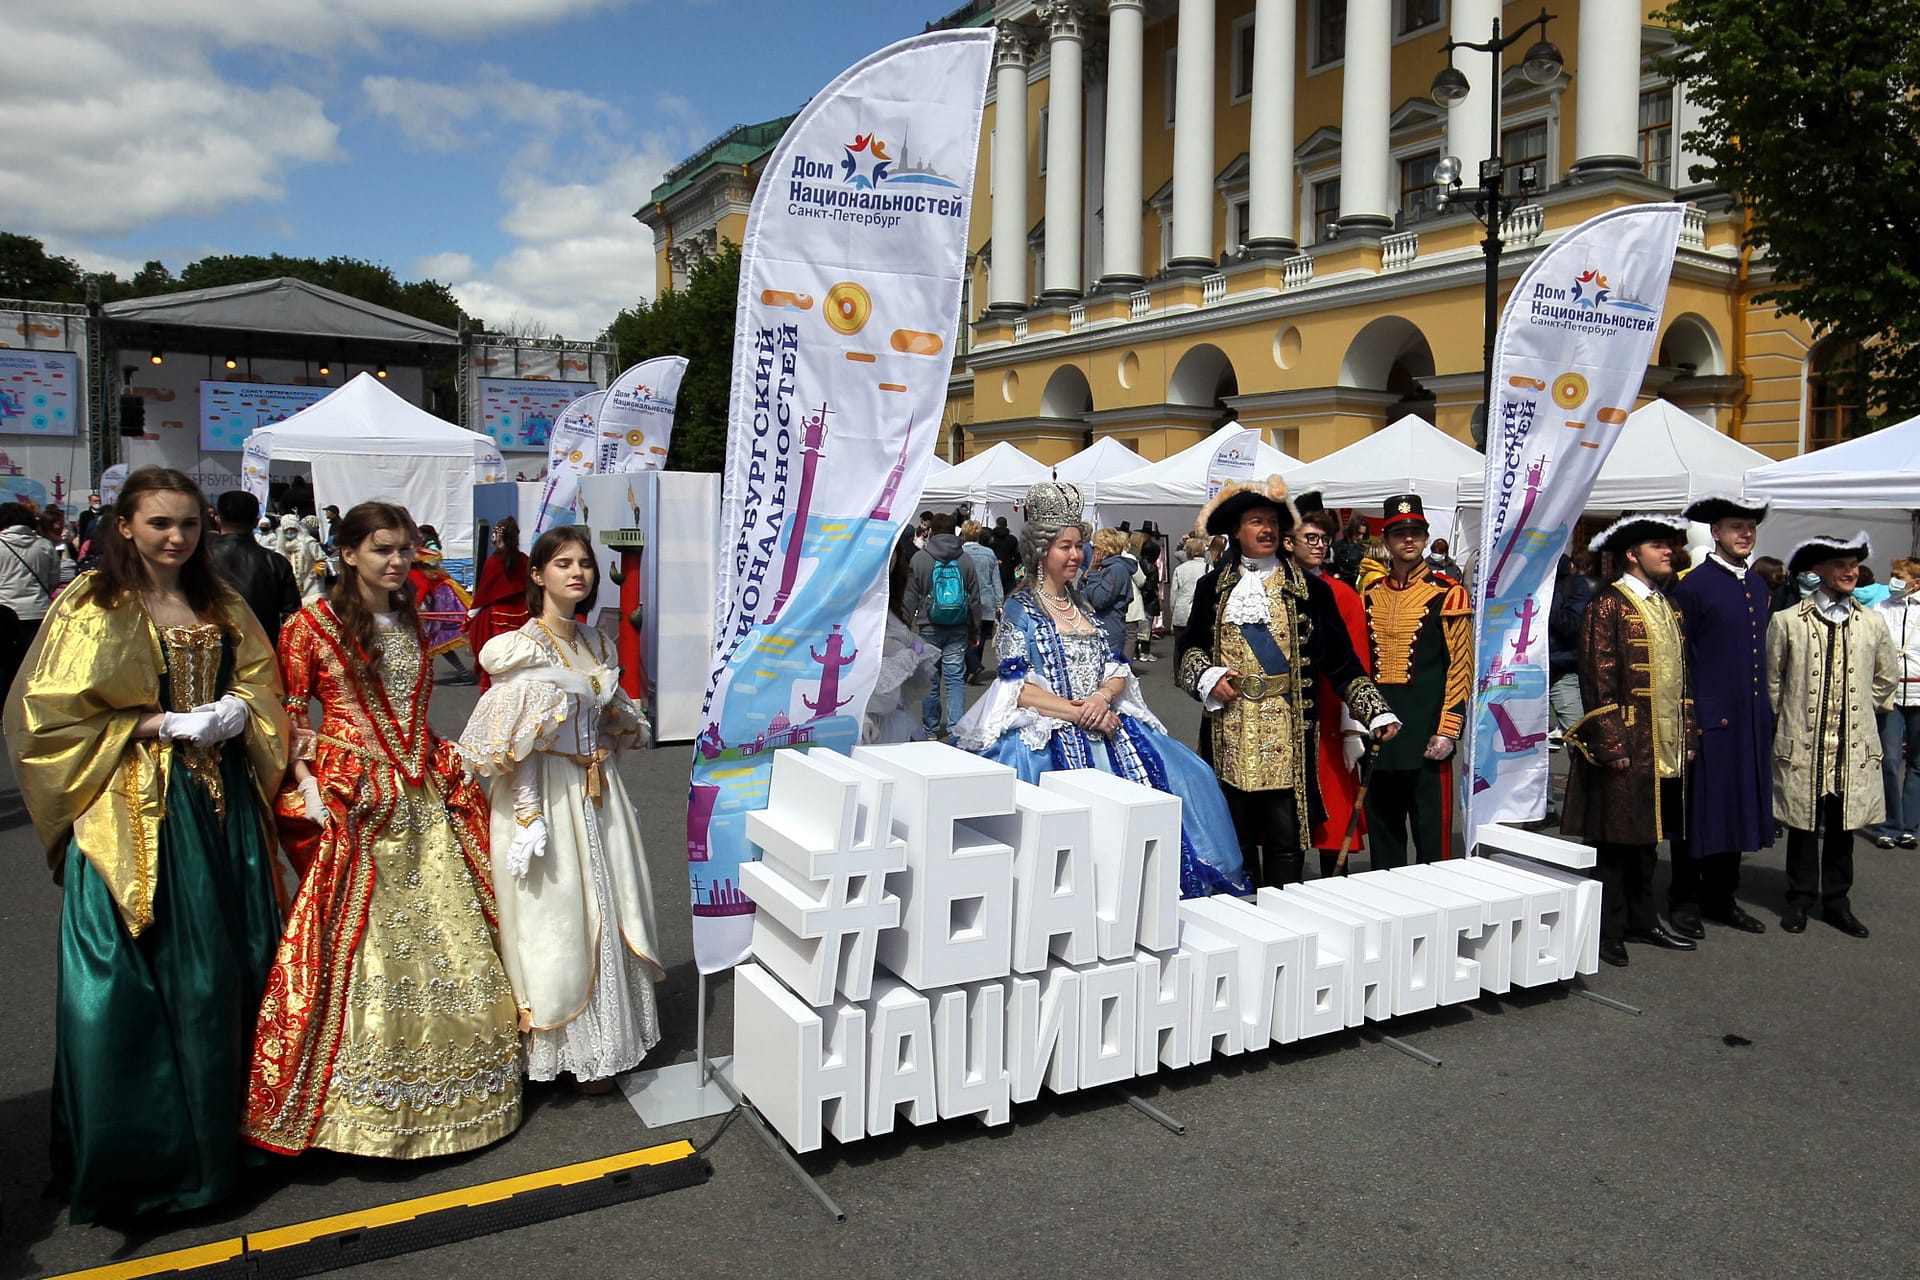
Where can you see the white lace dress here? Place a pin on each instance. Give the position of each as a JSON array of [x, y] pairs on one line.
[[577, 933]]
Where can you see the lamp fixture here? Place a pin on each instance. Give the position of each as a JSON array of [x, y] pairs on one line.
[[326, 368], [232, 363], [380, 372], [156, 357], [1450, 87], [1543, 61]]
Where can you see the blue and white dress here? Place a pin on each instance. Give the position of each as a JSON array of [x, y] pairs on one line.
[[1030, 648]]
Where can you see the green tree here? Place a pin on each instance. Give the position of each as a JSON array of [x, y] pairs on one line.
[[28, 271], [1811, 118], [695, 322]]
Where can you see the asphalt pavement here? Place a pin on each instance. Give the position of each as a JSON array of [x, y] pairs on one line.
[[1757, 1118]]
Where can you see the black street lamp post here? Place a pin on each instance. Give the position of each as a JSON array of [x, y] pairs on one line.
[[1491, 203]]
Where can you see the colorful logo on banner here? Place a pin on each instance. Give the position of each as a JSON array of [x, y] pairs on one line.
[[39, 393], [1233, 462], [570, 457], [636, 419], [1572, 351], [850, 278]]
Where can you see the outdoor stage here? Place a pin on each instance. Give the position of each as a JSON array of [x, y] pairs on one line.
[[1558, 1138]]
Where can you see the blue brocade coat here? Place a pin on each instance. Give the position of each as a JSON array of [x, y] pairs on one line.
[[1730, 785]]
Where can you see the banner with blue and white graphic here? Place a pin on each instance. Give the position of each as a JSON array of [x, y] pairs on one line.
[[850, 281], [572, 450], [636, 419], [1567, 367]]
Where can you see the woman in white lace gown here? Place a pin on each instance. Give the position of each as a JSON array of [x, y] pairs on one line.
[[576, 909]]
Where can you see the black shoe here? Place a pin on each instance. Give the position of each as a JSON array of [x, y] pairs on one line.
[[1909, 842], [1734, 918], [1845, 921], [1686, 922], [1883, 842], [1614, 953], [1794, 919], [1659, 937]]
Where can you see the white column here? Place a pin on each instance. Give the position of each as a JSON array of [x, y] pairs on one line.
[[1007, 271], [1608, 81], [1193, 140], [1469, 124], [1270, 131], [1066, 32], [1120, 224], [1366, 191]]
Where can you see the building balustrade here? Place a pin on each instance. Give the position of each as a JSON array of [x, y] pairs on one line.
[[1523, 226], [1213, 290], [1693, 228], [1296, 271], [1399, 250], [1076, 317], [1139, 303]]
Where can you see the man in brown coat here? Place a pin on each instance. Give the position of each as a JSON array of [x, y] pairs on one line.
[[1626, 785]]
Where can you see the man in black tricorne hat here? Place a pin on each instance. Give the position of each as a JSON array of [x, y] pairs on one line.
[[1830, 666], [1259, 632], [1730, 783], [1420, 624]]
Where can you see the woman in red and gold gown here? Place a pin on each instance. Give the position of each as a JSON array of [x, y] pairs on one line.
[[500, 598], [389, 1026]]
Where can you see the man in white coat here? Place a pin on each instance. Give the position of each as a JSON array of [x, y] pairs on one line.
[[1830, 666]]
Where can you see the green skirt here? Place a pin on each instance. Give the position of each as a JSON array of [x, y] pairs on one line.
[[153, 1034]]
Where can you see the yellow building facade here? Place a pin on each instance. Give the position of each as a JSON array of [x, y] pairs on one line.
[[1193, 212]]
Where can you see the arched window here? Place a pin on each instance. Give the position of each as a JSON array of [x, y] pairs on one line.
[[1833, 406]]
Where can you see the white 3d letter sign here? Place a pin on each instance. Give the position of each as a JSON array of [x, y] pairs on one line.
[[935, 938]]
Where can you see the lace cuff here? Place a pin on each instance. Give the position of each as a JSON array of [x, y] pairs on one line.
[[998, 713], [1131, 701]]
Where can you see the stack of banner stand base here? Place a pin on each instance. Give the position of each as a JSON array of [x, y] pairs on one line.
[[935, 939]]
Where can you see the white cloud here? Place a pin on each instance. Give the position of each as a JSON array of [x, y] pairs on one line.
[[309, 25]]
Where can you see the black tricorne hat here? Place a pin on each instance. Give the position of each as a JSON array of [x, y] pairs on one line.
[[1713, 507], [1815, 552], [1222, 515], [1632, 530]]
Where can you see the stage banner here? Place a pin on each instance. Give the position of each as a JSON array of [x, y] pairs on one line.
[[571, 454], [1567, 366], [40, 393], [636, 422], [230, 412], [519, 413], [850, 279]]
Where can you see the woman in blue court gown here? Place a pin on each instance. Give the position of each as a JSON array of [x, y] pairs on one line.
[[1065, 700]]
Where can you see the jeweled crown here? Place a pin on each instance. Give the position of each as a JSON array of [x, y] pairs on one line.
[[1054, 504]]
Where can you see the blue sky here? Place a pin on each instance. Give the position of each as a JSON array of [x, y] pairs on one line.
[[498, 145]]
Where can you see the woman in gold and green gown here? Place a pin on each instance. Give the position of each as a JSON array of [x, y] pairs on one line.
[[148, 736], [388, 1027]]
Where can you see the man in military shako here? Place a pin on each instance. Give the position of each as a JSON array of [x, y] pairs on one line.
[[1626, 784], [1730, 784], [1830, 666], [1260, 629], [1420, 625]]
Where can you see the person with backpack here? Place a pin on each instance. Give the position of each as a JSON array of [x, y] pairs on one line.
[[29, 576], [943, 596]]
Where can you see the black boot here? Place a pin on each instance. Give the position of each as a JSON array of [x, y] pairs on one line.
[[1288, 868], [1329, 865]]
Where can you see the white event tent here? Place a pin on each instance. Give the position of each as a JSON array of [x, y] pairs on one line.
[[1408, 456], [1171, 492], [993, 480], [1102, 460], [1664, 459], [365, 443], [1870, 483]]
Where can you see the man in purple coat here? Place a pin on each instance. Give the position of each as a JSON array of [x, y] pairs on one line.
[[1730, 784]]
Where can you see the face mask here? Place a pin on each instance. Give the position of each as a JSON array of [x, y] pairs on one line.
[[1896, 588], [1807, 582]]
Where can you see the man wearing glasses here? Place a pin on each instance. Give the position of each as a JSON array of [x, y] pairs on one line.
[[1340, 740]]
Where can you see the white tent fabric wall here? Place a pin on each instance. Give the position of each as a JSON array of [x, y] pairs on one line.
[[1104, 459], [1408, 456], [365, 443], [1663, 460], [994, 480], [1171, 492], [1870, 483]]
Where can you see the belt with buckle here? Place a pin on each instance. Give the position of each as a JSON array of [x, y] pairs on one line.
[[1258, 686]]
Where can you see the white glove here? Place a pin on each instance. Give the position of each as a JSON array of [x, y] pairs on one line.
[[193, 727], [1353, 746], [529, 842], [310, 796], [229, 718]]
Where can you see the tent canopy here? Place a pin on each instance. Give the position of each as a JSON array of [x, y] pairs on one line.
[[999, 474], [1664, 459], [1881, 469], [1410, 456], [365, 443], [280, 306], [1181, 480], [1102, 460]]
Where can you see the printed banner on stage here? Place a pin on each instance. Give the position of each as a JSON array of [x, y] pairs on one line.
[[1233, 462], [232, 411], [1567, 367], [39, 393], [570, 456], [519, 413], [849, 293], [636, 422]]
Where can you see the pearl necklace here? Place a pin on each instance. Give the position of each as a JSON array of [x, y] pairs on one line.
[[1062, 603]]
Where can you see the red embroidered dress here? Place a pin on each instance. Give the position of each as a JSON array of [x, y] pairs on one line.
[[389, 1025]]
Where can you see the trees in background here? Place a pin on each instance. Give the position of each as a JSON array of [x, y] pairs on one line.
[[696, 322]]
